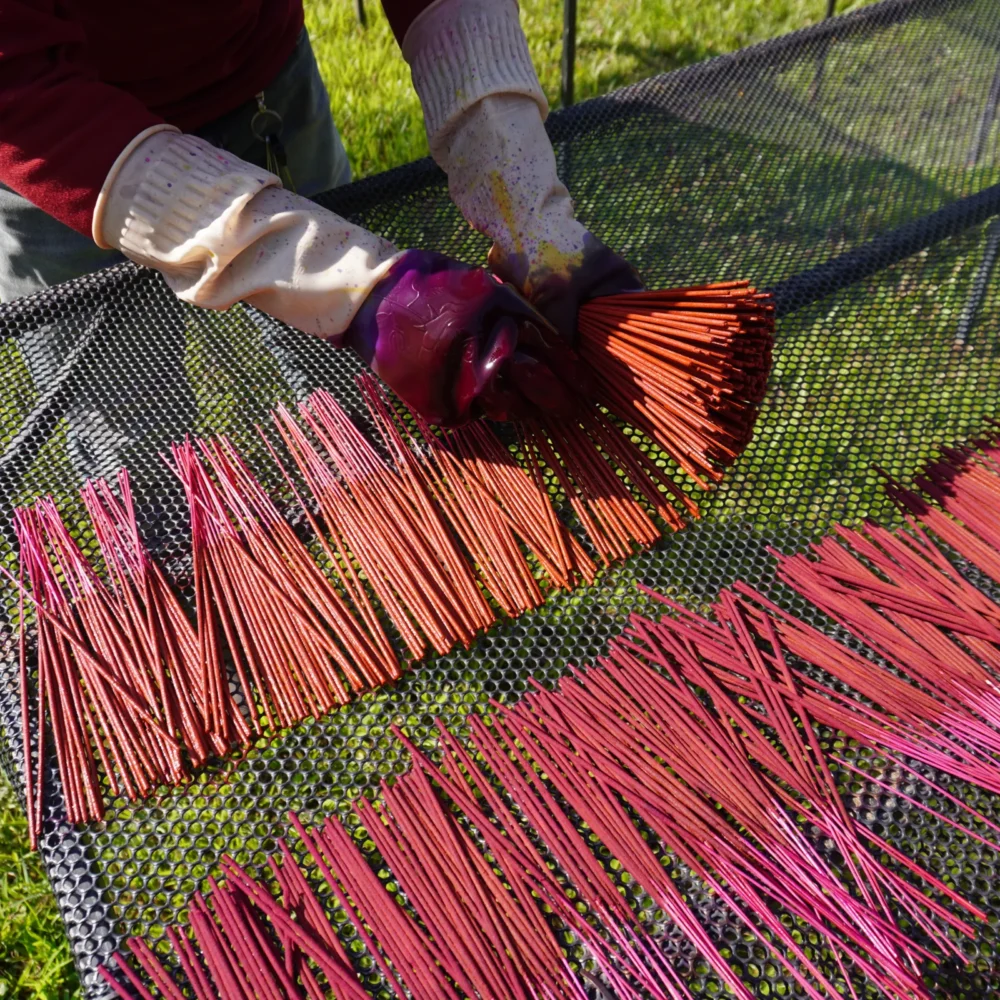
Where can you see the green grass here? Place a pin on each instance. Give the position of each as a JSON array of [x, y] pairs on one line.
[[34, 952], [619, 41]]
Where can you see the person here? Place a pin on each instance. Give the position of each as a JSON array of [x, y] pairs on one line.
[[148, 131]]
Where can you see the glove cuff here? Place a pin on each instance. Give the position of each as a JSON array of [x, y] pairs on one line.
[[173, 188], [221, 230], [461, 51], [104, 195]]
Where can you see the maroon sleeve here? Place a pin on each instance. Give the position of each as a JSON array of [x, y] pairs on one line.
[[402, 13], [61, 129]]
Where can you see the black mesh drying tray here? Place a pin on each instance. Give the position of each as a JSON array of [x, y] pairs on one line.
[[853, 168]]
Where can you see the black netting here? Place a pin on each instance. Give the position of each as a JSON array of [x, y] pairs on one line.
[[853, 168]]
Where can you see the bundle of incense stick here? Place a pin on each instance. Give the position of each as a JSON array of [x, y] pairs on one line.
[[696, 729], [688, 366], [478, 506], [589, 457], [937, 637], [365, 656], [493, 504], [478, 455], [161, 628], [60, 685], [390, 526], [488, 536], [773, 677], [295, 646], [117, 675], [966, 484]]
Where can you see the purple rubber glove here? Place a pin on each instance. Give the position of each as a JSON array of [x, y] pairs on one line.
[[455, 343], [558, 293], [484, 111]]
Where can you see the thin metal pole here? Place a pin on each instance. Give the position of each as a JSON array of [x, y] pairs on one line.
[[986, 121], [979, 284], [359, 11], [824, 45], [568, 51]]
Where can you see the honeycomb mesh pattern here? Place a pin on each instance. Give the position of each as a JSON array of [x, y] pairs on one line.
[[853, 168]]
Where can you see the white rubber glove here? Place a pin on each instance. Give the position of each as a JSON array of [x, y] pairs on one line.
[[222, 230], [484, 110]]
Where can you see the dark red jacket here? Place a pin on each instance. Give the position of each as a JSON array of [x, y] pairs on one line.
[[80, 78]]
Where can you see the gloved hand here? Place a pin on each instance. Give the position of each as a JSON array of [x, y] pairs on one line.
[[451, 340], [454, 343], [221, 230], [557, 290], [484, 112]]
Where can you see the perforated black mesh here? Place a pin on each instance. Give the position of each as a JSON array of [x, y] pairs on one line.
[[853, 168]]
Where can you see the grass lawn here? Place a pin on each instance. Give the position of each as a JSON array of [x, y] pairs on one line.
[[34, 952], [619, 41]]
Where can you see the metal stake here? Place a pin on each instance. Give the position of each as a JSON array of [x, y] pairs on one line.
[[979, 283], [986, 122], [568, 52]]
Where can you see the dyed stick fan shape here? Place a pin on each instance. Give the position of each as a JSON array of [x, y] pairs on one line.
[[687, 366], [440, 534], [488, 869], [706, 738]]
